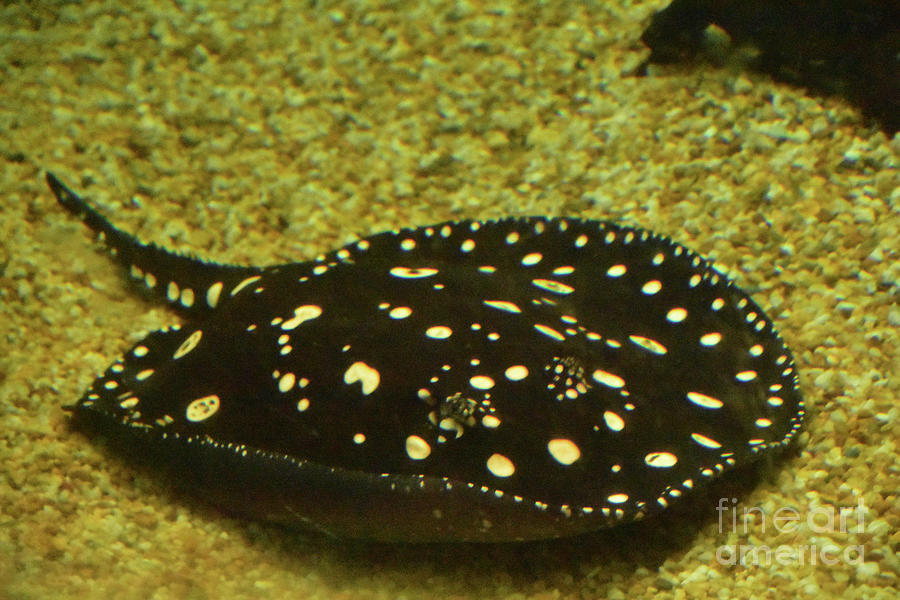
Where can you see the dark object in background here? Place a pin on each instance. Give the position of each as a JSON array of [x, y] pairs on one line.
[[845, 47]]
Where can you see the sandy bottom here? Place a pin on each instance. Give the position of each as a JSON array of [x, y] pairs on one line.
[[261, 135]]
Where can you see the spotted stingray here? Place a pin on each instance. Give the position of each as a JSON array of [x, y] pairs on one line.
[[468, 381]]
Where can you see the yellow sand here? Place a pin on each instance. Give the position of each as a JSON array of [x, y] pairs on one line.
[[264, 134]]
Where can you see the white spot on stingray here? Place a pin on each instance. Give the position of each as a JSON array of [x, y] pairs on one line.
[[613, 421], [417, 448], [763, 422], [140, 351], [142, 375], [608, 379], [202, 408], [648, 344], [500, 466], [172, 291], [481, 382], [550, 332], [359, 438], [563, 271], [745, 376], [516, 372], [439, 332], [408, 244], [756, 350], [616, 270], [717, 304], [286, 382], [581, 241], [129, 403], [187, 297], [360, 371], [503, 305], [618, 498], [661, 460], [213, 293], [706, 442], [676, 315], [531, 259], [774, 401], [490, 421], [304, 313], [467, 246], [651, 287], [704, 401], [564, 451], [711, 339], [189, 344], [413, 273], [400, 312], [245, 283], [512, 238], [150, 280], [553, 286], [302, 404]]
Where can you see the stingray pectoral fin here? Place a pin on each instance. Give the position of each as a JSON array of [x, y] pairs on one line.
[[383, 507]]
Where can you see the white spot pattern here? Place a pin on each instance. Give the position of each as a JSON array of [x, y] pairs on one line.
[[481, 382], [704, 401], [608, 379], [516, 372], [564, 451], [189, 344], [500, 466], [368, 376], [503, 305], [439, 332], [304, 313], [661, 460], [417, 448], [553, 286], [413, 273], [202, 408], [213, 294]]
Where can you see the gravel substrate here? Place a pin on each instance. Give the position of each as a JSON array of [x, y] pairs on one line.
[[260, 133]]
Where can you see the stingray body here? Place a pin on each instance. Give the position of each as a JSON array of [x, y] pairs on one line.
[[468, 381]]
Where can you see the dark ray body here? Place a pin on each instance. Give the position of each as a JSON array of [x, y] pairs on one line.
[[512, 379]]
